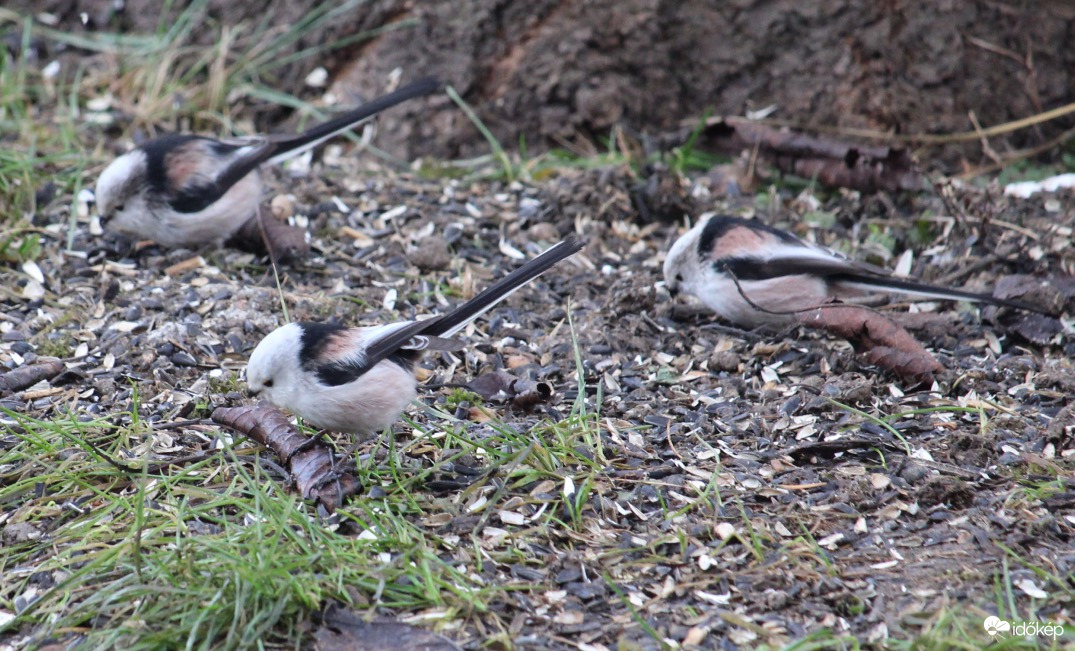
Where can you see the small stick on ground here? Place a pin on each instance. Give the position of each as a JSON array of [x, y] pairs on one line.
[[27, 376]]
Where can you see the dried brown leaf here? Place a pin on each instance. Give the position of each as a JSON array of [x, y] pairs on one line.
[[501, 385], [316, 471], [884, 342], [269, 235]]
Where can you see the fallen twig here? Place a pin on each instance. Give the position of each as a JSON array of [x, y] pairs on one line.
[[27, 376], [829, 161]]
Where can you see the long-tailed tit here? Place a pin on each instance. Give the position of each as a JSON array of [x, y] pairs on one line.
[[186, 190], [725, 260], [358, 380]]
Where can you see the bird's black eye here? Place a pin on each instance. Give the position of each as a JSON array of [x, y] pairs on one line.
[[268, 384], [118, 208], [679, 278]]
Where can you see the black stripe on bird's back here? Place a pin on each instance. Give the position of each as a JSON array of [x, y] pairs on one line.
[[315, 336], [195, 196], [334, 375], [385, 348], [755, 269], [156, 151], [719, 226]]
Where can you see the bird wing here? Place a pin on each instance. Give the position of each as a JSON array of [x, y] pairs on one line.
[[401, 340], [381, 343], [794, 260]]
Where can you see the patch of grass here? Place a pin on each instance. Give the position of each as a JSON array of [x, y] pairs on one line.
[[1030, 170], [214, 553], [1038, 489], [508, 168], [42, 155], [823, 640], [688, 158], [977, 411], [458, 396], [226, 382], [959, 627], [877, 421], [956, 628], [639, 619], [820, 218], [1053, 581], [19, 244], [816, 553], [60, 346]]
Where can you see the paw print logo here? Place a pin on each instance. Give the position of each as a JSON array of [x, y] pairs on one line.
[[994, 626]]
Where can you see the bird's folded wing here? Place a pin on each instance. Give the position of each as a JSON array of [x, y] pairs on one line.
[[751, 268], [381, 346]]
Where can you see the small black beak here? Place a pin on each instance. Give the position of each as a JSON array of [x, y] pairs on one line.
[[673, 291], [253, 393]]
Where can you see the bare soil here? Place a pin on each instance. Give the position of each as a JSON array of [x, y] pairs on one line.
[[561, 71]]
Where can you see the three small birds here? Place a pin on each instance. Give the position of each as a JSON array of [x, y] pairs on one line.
[[185, 190]]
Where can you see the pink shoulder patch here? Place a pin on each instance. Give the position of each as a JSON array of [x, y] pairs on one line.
[[739, 240], [341, 345], [186, 162]]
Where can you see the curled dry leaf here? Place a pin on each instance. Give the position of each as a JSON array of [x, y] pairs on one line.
[[501, 385], [317, 472], [27, 376], [269, 235], [884, 342]]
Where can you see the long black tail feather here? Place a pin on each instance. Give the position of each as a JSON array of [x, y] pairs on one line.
[[446, 325], [336, 125], [501, 289], [889, 283]]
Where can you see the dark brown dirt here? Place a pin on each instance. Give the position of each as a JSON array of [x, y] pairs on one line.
[[554, 71]]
